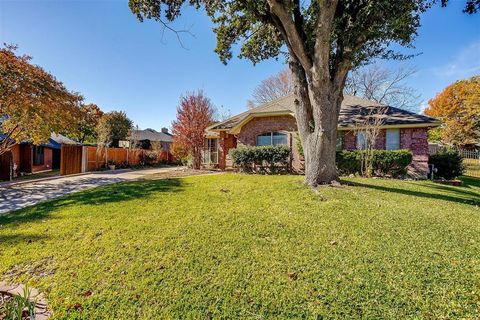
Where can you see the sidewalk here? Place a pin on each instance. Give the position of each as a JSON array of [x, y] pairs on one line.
[[20, 194]]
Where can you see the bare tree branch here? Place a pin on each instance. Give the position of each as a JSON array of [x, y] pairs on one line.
[[274, 87], [385, 86], [177, 32], [293, 36]]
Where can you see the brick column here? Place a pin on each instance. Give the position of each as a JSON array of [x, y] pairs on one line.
[[416, 140], [222, 157]]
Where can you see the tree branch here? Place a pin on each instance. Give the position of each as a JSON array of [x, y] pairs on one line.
[[303, 108], [326, 14], [292, 36]]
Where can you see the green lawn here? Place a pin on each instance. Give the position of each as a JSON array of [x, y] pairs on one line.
[[258, 247]]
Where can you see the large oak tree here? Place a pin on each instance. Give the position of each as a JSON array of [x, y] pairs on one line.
[[324, 39]]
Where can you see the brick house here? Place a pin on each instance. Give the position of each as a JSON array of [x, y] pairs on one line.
[[27, 158], [274, 123]]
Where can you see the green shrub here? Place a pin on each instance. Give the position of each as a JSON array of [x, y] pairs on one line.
[[242, 157], [349, 162], [448, 163], [385, 162], [264, 158], [391, 162]]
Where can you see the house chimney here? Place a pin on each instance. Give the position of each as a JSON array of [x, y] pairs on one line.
[[165, 130]]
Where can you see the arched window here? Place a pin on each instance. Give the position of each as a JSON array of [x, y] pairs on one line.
[[271, 139]]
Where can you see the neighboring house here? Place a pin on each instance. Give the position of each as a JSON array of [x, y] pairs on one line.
[[274, 123], [151, 139], [27, 158]]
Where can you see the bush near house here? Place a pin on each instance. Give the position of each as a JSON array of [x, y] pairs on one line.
[[385, 162], [448, 163], [250, 158]]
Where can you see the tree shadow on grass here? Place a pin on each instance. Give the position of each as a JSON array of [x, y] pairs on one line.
[[459, 195], [464, 190], [13, 239], [112, 193]]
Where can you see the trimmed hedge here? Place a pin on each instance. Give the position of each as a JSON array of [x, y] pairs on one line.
[[449, 164], [385, 162], [273, 158]]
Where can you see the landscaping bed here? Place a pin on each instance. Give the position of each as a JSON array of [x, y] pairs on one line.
[[19, 302], [251, 246]]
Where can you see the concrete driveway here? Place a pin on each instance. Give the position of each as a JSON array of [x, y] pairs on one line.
[[20, 195]]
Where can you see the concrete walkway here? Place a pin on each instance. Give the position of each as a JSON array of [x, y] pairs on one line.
[[21, 195]]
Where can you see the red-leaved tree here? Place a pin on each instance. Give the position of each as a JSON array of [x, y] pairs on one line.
[[194, 115]]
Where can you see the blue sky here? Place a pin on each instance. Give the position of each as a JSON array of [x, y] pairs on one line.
[[99, 49]]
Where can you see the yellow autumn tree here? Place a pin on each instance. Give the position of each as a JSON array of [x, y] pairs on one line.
[[458, 106], [33, 104]]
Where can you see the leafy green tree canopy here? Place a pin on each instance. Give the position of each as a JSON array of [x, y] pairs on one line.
[[113, 127]]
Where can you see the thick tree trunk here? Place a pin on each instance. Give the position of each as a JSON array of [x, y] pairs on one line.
[[319, 147], [319, 154], [317, 107]]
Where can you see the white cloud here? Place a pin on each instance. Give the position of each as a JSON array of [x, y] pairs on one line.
[[465, 64], [423, 105]]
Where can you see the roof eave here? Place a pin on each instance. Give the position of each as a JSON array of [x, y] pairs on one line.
[[394, 126], [236, 129]]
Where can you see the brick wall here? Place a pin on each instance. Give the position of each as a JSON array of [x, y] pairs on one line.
[[415, 140], [350, 140], [225, 143], [256, 126], [47, 161], [261, 125]]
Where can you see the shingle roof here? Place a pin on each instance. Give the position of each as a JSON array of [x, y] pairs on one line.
[[55, 141], [61, 139], [150, 134], [354, 110]]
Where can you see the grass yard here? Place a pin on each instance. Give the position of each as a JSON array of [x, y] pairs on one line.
[[258, 247]]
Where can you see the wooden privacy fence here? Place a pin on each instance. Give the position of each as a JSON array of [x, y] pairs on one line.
[[77, 159], [96, 158], [71, 159]]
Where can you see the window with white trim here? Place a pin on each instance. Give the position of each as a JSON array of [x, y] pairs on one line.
[[392, 140], [361, 140], [271, 139], [210, 151]]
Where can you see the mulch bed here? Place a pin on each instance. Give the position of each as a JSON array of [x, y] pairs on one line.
[[449, 182], [7, 292]]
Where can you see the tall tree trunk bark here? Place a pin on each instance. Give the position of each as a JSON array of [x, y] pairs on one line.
[[317, 107], [320, 145]]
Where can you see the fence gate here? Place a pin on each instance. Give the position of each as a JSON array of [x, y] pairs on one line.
[[70, 159], [471, 160]]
